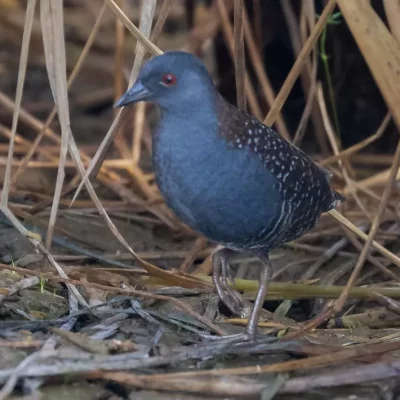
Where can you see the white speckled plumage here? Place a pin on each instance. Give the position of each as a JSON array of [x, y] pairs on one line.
[[304, 187]]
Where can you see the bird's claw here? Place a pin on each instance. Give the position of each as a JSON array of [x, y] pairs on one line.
[[224, 281]]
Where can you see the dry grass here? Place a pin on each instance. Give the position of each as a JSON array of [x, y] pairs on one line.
[[360, 243]]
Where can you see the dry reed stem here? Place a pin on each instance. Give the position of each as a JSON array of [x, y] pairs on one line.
[[228, 34], [284, 92], [382, 54], [308, 109], [37, 124], [127, 291], [262, 76], [140, 108], [335, 146], [298, 65], [146, 20], [110, 178], [152, 269], [308, 18], [298, 32], [282, 96], [378, 179], [138, 128], [374, 228], [51, 13], [166, 6], [59, 89], [379, 48], [294, 365], [96, 162], [119, 56], [392, 11], [151, 47], [30, 10], [292, 24], [278, 290], [52, 22], [199, 244], [360, 145], [75, 71], [120, 141], [239, 53], [34, 239], [145, 24], [377, 246]]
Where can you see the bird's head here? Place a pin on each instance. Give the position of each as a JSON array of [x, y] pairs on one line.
[[171, 80]]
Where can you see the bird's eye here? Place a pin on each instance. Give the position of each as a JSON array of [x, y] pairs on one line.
[[168, 79]]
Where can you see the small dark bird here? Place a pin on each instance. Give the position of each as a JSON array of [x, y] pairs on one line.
[[224, 173]]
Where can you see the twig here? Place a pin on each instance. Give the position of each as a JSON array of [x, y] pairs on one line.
[[345, 376], [21, 284], [286, 366], [20, 369]]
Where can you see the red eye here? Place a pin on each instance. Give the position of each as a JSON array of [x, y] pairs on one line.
[[169, 79]]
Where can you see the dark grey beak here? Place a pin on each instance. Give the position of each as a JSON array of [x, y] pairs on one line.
[[137, 92]]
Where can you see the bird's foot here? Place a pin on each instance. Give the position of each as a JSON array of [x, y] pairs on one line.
[[223, 280], [234, 302], [238, 338]]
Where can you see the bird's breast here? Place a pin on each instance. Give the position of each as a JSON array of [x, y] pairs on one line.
[[223, 192]]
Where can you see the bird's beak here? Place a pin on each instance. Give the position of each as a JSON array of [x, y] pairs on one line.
[[137, 92]]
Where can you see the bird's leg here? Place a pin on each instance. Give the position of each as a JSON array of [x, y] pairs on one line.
[[264, 277], [222, 280]]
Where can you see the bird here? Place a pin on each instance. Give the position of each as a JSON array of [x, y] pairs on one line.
[[225, 174]]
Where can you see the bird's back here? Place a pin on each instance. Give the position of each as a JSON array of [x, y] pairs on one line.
[[303, 186]]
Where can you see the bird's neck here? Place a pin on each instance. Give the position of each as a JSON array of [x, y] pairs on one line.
[[187, 148], [189, 129]]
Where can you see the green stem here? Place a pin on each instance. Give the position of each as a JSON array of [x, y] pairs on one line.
[[291, 291], [277, 290]]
